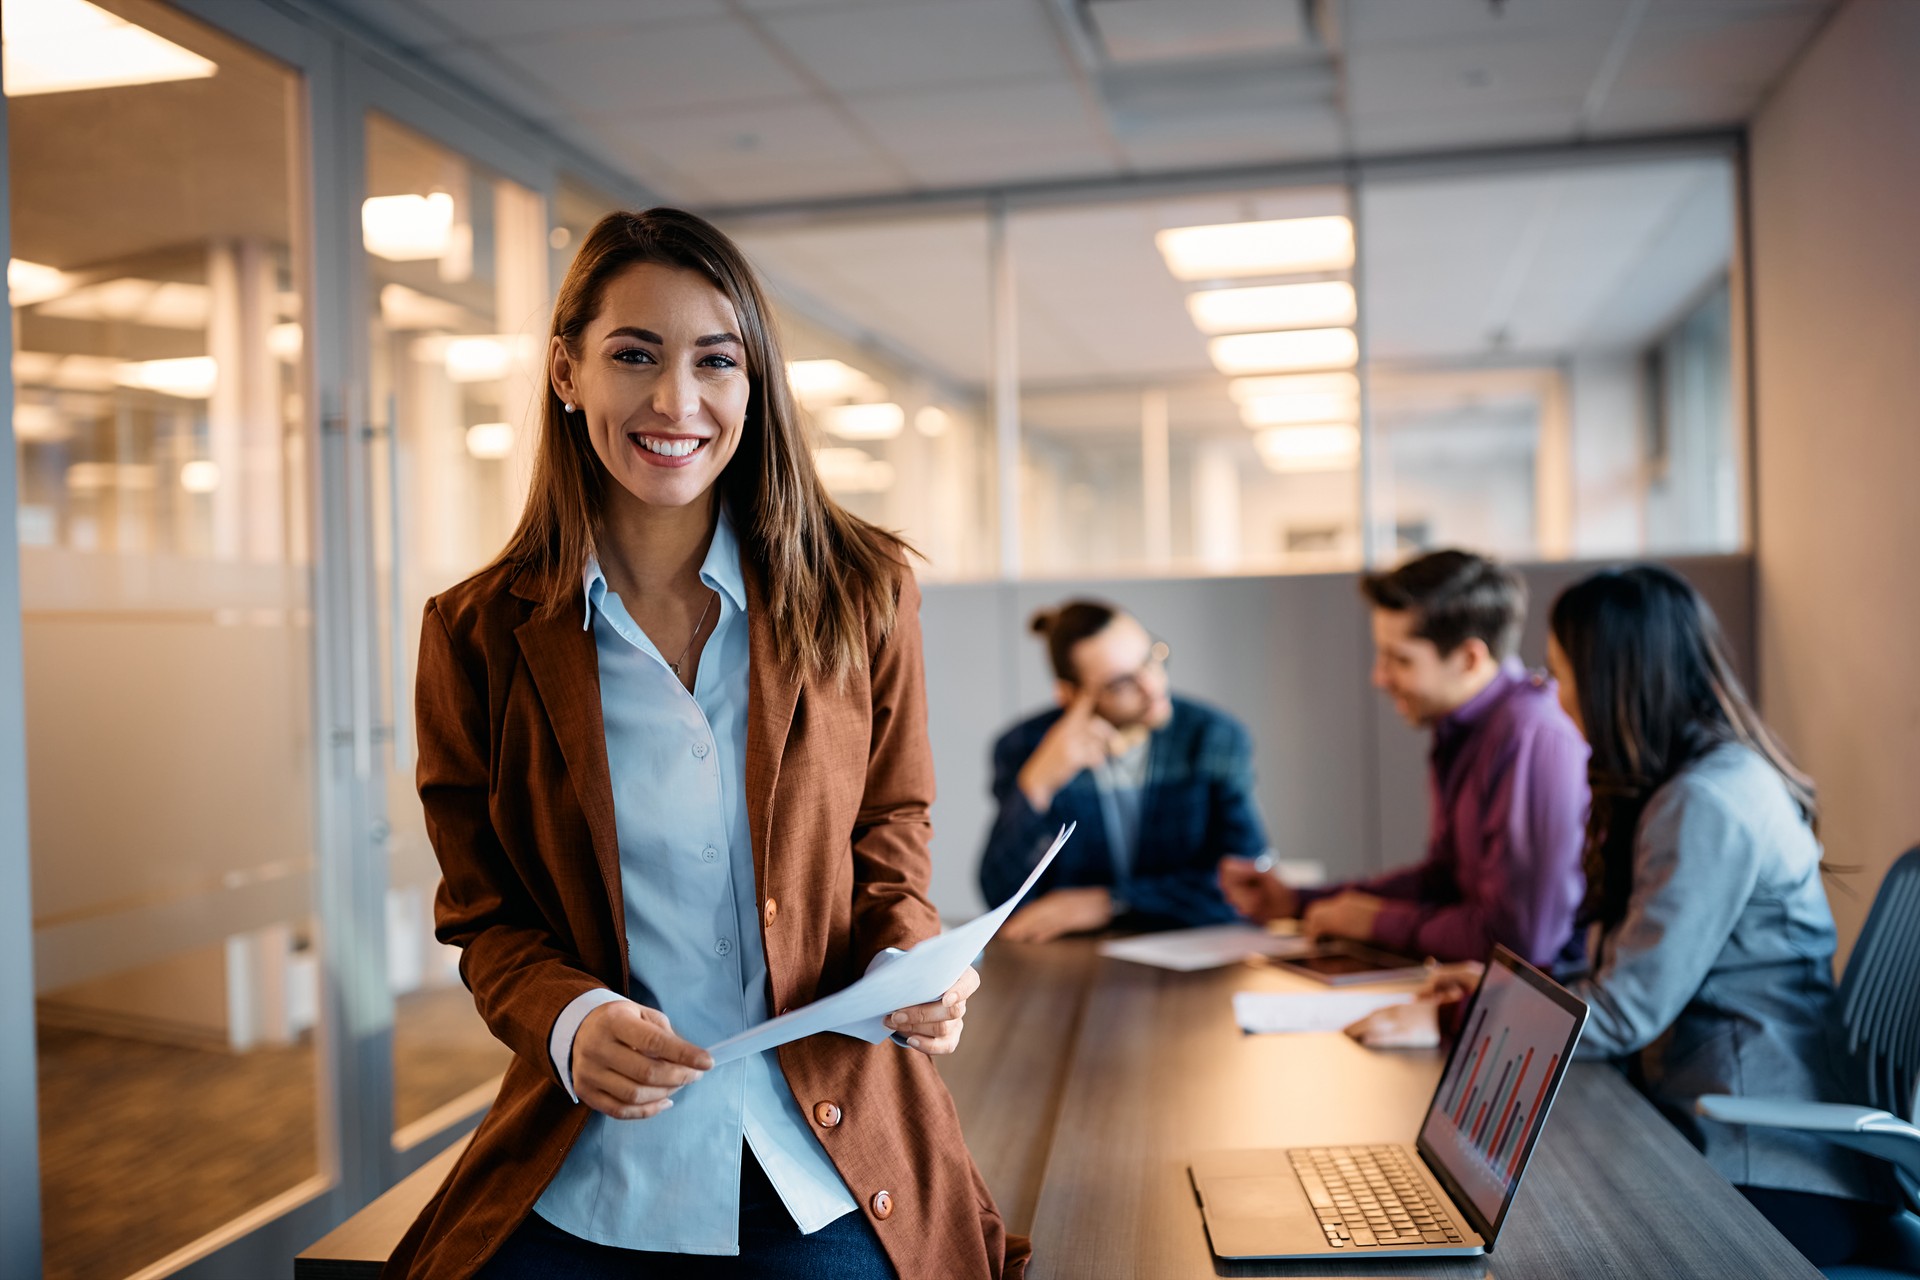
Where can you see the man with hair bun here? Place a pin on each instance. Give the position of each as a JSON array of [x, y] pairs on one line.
[[1508, 774], [1161, 786]]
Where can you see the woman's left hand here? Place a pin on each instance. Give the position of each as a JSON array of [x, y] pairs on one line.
[[935, 1027]]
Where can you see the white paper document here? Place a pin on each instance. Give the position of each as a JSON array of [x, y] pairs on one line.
[[916, 976], [1209, 947], [1278, 1012]]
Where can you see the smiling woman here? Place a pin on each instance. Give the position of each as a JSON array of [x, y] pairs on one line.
[[607, 935]]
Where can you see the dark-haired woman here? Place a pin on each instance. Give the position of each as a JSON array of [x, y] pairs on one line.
[[674, 763], [1713, 962]]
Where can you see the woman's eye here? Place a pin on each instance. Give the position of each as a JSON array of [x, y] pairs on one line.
[[720, 362], [633, 355]]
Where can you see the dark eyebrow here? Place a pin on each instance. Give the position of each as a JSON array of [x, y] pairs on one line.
[[648, 335]]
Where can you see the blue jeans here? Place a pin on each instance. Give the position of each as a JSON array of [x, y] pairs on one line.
[[770, 1246]]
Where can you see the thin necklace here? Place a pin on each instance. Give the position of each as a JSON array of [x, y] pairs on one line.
[[674, 666]]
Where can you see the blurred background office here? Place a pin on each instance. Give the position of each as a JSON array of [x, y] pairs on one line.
[[1201, 305]]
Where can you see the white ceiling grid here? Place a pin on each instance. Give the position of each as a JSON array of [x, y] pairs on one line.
[[744, 101]]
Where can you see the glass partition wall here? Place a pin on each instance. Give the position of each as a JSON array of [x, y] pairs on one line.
[[163, 432], [1551, 355], [457, 284], [1537, 360], [886, 328]]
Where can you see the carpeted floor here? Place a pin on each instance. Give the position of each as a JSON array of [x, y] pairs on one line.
[[145, 1147]]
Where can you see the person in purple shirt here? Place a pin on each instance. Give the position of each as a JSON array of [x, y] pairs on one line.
[[1508, 775]]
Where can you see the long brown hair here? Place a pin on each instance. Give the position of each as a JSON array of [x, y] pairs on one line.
[[829, 574], [1657, 691]]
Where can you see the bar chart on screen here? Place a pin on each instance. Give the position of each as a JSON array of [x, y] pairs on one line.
[[1498, 1085]]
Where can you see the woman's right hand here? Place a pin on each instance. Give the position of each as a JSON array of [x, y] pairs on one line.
[[627, 1063], [1452, 981]]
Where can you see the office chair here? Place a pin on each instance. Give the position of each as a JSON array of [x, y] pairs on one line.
[[1880, 1011]]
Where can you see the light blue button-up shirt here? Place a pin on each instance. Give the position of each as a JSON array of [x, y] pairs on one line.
[[671, 1184]]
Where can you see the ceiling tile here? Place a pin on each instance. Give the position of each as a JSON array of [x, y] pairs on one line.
[[1475, 78], [1000, 166], [1046, 112], [921, 46], [1663, 110], [802, 6], [1374, 24], [1549, 120], [493, 20], [770, 183], [646, 70], [489, 73], [1691, 49], [784, 150]]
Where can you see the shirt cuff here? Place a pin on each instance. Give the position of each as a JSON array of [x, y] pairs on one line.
[[1396, 925], [567, 1026]]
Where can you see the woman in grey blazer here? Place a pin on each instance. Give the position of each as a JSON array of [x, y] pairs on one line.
[[1712, 943]]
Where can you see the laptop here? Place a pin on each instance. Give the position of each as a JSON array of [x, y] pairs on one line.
[[1445, 1194]]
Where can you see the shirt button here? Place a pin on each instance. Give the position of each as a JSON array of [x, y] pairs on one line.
[[773, 909], [723, 948], [709, 854], [826, 1114], [699, 751], [882, 1205]]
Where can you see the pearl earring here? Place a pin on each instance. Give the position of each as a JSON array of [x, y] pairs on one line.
[[569, 405]]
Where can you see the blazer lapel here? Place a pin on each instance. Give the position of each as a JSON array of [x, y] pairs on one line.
[[772, 695], [560, 655]]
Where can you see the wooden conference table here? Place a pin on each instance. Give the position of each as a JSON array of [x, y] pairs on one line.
[[1086, 1084]]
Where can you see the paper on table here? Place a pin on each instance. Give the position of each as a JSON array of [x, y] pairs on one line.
[[1271, 1012], [1208, 947], [915, 976]]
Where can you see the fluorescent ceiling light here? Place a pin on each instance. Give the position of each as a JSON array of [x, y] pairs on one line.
[[164, 304], [404, 308], [845, 470], [1323, 406], [284, 340], [1273, 306], [407, 228], [66, 372], [1294, 384], [474, 357], [31, 282], [38, 424], [1327, 446], [190, 377], [1234, 249], [92, 477], [931, 422], [54, 46], [863, 421], [477, 359], [1283, 352], [817, 383], [202, 475], [490, 440]]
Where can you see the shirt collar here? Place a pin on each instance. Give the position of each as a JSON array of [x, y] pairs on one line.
[[720, 570], [1475, 709]]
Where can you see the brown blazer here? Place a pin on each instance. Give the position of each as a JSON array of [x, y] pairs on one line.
[[519, 806]]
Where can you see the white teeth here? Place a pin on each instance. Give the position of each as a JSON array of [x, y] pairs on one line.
[[669, 448]]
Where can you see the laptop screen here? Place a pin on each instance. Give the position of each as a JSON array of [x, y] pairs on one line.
[[1499, 1082]]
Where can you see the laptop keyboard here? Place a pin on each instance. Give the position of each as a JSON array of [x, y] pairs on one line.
[[1371, 1196]]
